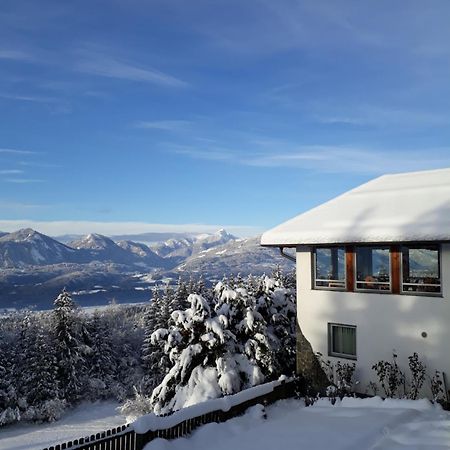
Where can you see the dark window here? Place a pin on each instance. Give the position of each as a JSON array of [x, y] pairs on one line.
[[421, 269], [342, 340], [373, 268], [329, 268]]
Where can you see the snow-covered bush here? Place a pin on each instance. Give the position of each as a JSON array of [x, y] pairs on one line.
[[234, 337]]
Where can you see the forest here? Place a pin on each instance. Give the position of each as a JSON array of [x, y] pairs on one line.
[[189, 343]]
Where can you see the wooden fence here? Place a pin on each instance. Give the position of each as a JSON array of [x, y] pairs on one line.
[[125, 438]]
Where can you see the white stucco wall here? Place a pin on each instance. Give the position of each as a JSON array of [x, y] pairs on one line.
[[384, 321]]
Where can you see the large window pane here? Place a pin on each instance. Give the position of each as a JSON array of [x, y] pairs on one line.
[[330, 268], [373, 268], [342, 340], [421, 269]]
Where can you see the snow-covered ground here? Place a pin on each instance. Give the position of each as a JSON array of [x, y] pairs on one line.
[[353, 424], [86, 419]]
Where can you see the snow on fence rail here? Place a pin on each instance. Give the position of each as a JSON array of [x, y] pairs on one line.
[[180, 423]]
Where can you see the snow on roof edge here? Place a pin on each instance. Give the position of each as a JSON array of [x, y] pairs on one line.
[[338, 220]]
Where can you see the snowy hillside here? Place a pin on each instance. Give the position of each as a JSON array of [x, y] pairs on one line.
[[179, 249], [98, 269], [241, 256], [101, 248], [28, 247]]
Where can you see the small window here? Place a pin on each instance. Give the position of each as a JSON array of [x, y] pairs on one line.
[[373, 268], [342, 340], [421, 269], [329, 268]]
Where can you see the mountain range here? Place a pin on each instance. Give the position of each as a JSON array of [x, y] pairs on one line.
[[97, 269]]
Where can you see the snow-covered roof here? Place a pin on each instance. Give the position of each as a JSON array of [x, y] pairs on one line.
[[403, 207]]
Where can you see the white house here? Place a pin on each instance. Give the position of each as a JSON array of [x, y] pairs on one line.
[[373, 272]]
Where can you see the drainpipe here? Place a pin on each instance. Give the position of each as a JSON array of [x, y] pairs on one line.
[[291, 258]]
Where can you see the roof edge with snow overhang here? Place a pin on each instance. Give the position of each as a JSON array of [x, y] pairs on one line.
[[405, 207]]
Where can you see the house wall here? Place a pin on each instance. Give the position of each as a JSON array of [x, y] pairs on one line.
[[384, 322]]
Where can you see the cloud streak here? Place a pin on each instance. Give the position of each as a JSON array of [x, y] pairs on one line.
[[29, 98], [330, 159], [13, 151], [18, 206], [164, 125], [23, 180], [97, 64], [382, 116], [15, 55], [11, 172]]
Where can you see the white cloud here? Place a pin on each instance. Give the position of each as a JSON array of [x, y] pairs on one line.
[[329, 159], [381, 116], [210, 154], [23, 180], [18, 206], [29, 98], [16, 55], [94, 63], [164, 125], [55, 228], [13, 151], [10, 171]]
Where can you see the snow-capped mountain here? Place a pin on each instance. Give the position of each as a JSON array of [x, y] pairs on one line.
[[36, 267], [174, 248], [27, 247], [180, 249], [102, 248], [237, 256]]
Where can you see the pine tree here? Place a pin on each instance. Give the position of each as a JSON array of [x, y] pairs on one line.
[[155, 360], [9, 410], [68, 345], [102, 368]]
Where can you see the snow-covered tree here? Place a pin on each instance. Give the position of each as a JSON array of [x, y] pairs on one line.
[[102, 368], [226, 342], [9, 410], [69, 347], [41, 379]]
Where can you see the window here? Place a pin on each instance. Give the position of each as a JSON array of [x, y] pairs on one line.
[[421, 269], [373, 268], [342, 340], [329, 268]]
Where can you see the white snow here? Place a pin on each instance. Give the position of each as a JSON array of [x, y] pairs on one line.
[[153, 422], [403, 207], [36, 255], [353, 424], [86, 419]]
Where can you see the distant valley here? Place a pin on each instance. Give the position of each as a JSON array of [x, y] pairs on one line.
[[98, 269]]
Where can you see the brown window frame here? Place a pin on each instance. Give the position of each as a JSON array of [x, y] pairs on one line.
[[395, 263], [437, 247], [355, 269], [314, 271]]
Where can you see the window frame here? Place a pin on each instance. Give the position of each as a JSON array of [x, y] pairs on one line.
[[314, 270], [355, 271], [330, 341], [419, 245]]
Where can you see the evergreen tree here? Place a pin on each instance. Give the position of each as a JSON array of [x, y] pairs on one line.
[[68, 346], [102, 366], [41, 380], [9, 410]]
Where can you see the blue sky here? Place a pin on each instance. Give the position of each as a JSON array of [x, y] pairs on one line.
[[130, 115]]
